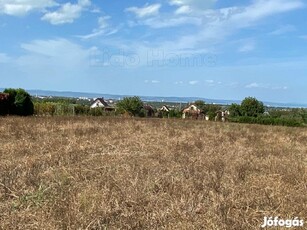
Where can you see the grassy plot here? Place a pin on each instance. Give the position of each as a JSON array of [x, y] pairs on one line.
[[115, 173]]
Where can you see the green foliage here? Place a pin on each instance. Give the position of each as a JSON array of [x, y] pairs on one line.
[[82, 110], [62, 100], [20, 102], [211, 109], [175, 113], [131, 105], [235, 110], [200, 105], [251, 107], [267, 121], [97, 112], [45, 109], [11, 104]]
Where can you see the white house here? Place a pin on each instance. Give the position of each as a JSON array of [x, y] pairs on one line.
[[164, 108], [99, 103]]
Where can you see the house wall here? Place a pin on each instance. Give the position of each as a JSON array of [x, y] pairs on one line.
[[97, 104]]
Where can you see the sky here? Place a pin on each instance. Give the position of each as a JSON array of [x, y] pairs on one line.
[[218, 49]]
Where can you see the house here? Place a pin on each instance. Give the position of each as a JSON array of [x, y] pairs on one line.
[[191, 111], [149, 110], [164, 108], [222, 115], [101, 103]]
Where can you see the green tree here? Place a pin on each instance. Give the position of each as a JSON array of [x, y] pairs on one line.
[[211, 109], [11, 104], [131, 105], [200, 105], [235, 110], [251, 107], [20, 102]]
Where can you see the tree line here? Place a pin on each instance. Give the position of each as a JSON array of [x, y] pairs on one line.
[[251, 110]]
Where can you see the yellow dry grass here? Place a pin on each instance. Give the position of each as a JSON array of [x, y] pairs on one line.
[[111, 173]]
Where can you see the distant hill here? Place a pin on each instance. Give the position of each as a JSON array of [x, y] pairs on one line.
[[152, 98]]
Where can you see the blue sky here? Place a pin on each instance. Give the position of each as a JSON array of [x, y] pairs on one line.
[[206, 48]]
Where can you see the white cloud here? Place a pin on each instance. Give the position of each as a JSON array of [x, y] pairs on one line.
[[183, 10], [152, 81], [158, 23], [67, 13], [54, 48], [264, 8], [193, 82], [283, 30], [265, 86], [23, 7], [4, 58], [193, 3], [280, 87], [104, 29], [248, 47], [57, 63], [210, 28], [147, 10], [218, 24], [253, 85]]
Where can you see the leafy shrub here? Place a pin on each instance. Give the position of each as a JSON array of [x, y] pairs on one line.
[[20, 102], [235, 110], [267, 121], [250, 106], [131, 105]]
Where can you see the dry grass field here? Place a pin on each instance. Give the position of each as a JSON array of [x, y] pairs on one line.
[[112, 173]]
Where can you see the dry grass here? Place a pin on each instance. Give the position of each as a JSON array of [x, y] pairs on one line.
[[108, 173]]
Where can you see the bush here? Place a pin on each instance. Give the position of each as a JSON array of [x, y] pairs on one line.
[[211, 109], [131, 105], [235, 110], [250, 106], [267, 121], [175, 113], [46, 109], [20, 102], [82, 110], [97, 112]]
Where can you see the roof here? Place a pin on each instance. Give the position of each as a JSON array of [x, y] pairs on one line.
[[102, 101], [148, 107], [191, 107], [164, 108]]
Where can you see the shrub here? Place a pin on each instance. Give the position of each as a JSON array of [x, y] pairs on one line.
[[250, 106], [235, 110], [267, 121], [20, 102], [82, 110], [132, 105]]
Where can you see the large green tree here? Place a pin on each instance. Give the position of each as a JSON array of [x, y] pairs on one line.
[[235, 110], [251, 107], [131, 105], [20, 102]]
